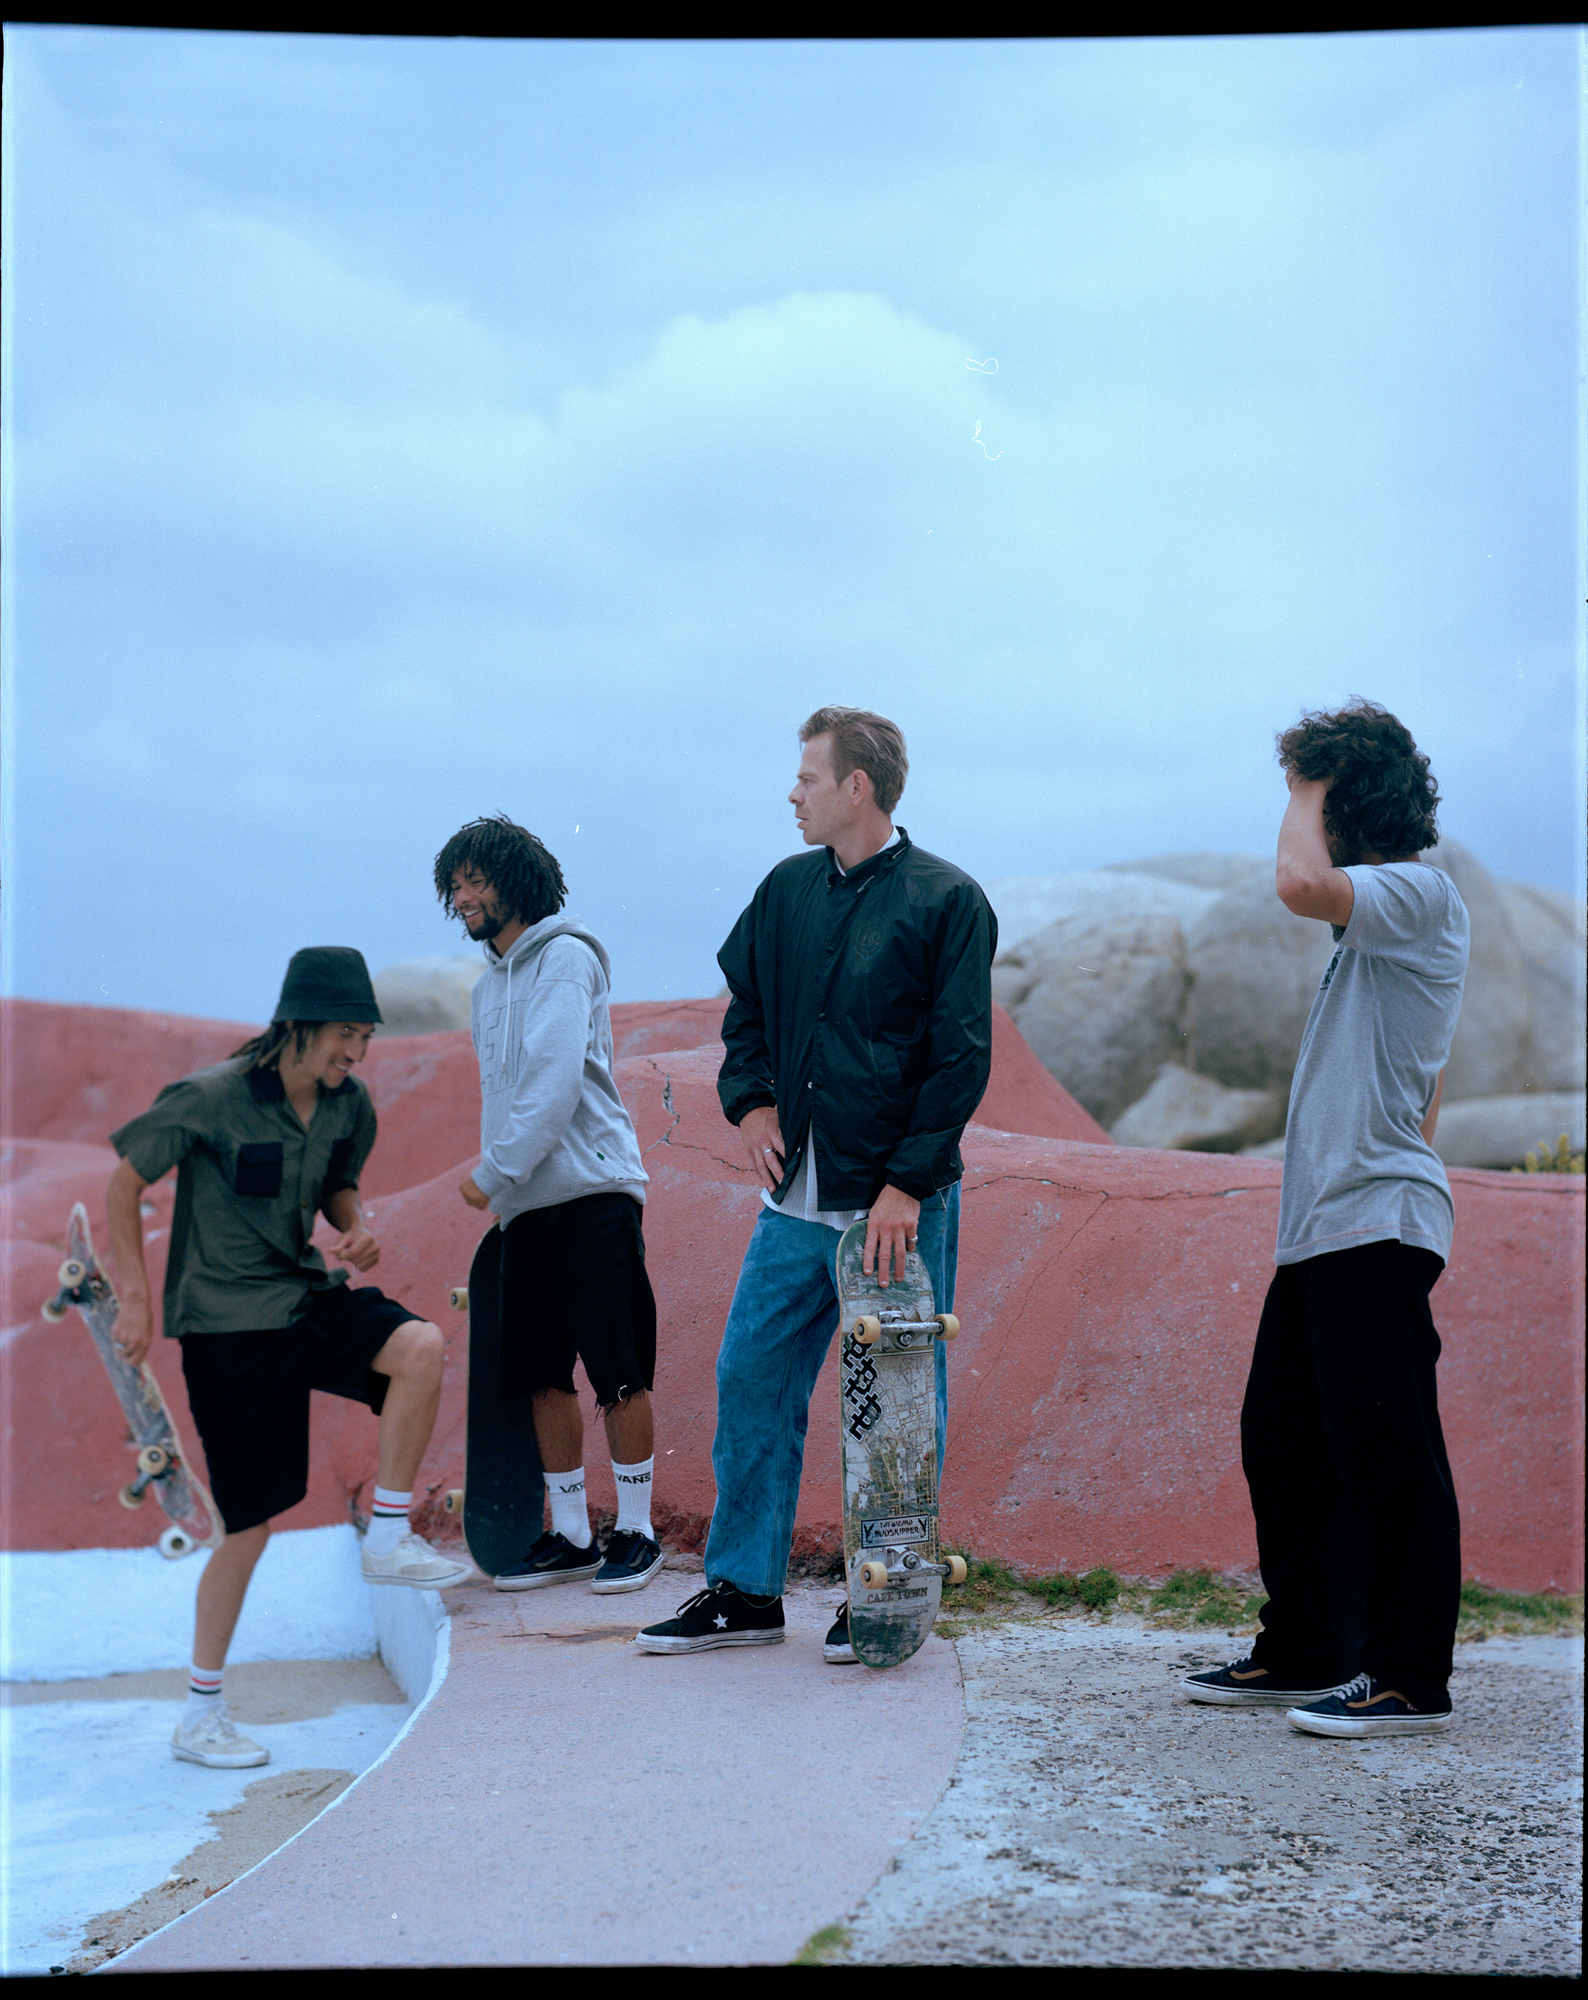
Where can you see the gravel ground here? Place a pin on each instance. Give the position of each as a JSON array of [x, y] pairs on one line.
[[1096, 1817]]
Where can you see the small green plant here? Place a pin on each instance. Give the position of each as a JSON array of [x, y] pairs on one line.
[[1559, 1159], [1099, 1587], [821, 1946], [1055, 1589]]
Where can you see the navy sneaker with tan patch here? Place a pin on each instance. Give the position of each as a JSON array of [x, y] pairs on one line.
[[1244, 1684], [632, 1559], [1366, 1707], [553, 1559]]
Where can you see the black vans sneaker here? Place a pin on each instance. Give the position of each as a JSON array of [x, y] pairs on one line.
[[553, 1559], [632, 1560], [1366, 1707], [836, 1649], [719, 1616], [1244, 1684]]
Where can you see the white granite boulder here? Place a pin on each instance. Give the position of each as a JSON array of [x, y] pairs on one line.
[[1092, 967], [1502, 1131], [1549, 929], [1182, 1112], [426, 996], [1254, 970], [1491, 1054]]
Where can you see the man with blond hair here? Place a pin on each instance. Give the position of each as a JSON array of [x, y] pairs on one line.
[[857, 1045]]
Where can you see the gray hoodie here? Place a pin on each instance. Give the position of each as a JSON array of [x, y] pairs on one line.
[[552, 1125]]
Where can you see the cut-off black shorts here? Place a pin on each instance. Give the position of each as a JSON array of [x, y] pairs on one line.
[[249, 1393], [574, 1285]]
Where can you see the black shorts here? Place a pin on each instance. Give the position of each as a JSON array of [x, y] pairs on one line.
[[249, 1394], [574, 1285]]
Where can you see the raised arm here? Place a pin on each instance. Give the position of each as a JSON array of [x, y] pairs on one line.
[[1305, 877]]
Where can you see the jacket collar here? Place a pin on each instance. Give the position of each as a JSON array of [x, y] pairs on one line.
[[874, 864]]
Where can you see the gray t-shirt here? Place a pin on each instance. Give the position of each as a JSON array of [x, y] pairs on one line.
[[1357, 1168]]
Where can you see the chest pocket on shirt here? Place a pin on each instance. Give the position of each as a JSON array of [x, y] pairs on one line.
[[259, 1168]]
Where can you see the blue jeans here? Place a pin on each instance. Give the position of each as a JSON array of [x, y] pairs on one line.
[[780, 1325]]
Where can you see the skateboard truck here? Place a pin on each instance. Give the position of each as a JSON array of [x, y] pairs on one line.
[[869, 1328], [895, 1565], [74, 1291]]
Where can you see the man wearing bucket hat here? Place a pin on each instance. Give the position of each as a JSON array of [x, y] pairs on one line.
[[262, 1143]]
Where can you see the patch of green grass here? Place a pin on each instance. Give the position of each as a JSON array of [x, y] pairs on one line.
[[821, 1946], [1485, 1612], [994, 1591], [989, 1585], [1198, 1597]]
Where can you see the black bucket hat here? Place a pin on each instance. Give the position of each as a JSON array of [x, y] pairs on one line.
[[327, 982]]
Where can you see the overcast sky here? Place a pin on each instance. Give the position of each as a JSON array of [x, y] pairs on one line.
[[403, 430]]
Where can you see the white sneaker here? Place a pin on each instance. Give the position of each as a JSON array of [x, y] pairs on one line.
[[414, 1562], [215, 1740]]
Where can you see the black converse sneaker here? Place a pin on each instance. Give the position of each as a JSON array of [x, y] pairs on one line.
[[718, 1616], [836, 1649], [553, 1559]]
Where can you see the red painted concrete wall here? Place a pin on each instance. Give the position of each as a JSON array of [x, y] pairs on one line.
[[1108, 1298]]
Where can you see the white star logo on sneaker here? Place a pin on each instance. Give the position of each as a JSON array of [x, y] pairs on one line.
[[721, 1621]]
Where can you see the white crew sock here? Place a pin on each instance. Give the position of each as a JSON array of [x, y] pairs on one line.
[[570, 1517], [634, 1497], [388, 1521], [204, 1695]]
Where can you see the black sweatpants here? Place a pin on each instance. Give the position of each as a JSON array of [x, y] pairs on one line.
[[1358, 1533]]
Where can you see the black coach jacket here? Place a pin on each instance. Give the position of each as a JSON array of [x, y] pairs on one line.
[[862, 1002]]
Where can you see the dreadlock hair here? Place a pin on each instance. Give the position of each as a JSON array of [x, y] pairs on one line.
[[522, 871], [265, 1051], [1383, 798]]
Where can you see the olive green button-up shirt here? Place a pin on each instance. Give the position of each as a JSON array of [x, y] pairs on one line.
[[251, 1178]]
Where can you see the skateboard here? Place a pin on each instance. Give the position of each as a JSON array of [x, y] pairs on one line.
[[162, 1462], [888, 1431], [503, 1496]]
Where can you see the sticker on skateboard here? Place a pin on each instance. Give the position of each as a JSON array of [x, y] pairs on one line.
[[162, 1462], [888, 1429]]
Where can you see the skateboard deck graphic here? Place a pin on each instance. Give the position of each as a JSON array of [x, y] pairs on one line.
[[504, 1490], [888, 1431], [162, 1458]]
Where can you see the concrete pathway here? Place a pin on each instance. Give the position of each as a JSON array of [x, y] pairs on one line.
[[1067, 1808], [567, 1799], [1097, 1818]]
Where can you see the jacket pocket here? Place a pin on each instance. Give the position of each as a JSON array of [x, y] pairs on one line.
[[259, 1168]]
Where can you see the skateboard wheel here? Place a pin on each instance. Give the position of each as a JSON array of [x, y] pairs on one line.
[[956, 1569], [454, 1501], [867, 1330], [874, 1575], [949, 1324], [53, 1312], [133, 1496], [175, 1543], [153, 1459], [458, 1298], [72, 1273]]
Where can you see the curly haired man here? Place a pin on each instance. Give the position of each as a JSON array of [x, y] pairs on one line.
[[1358, 1533], [560, 1169]]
